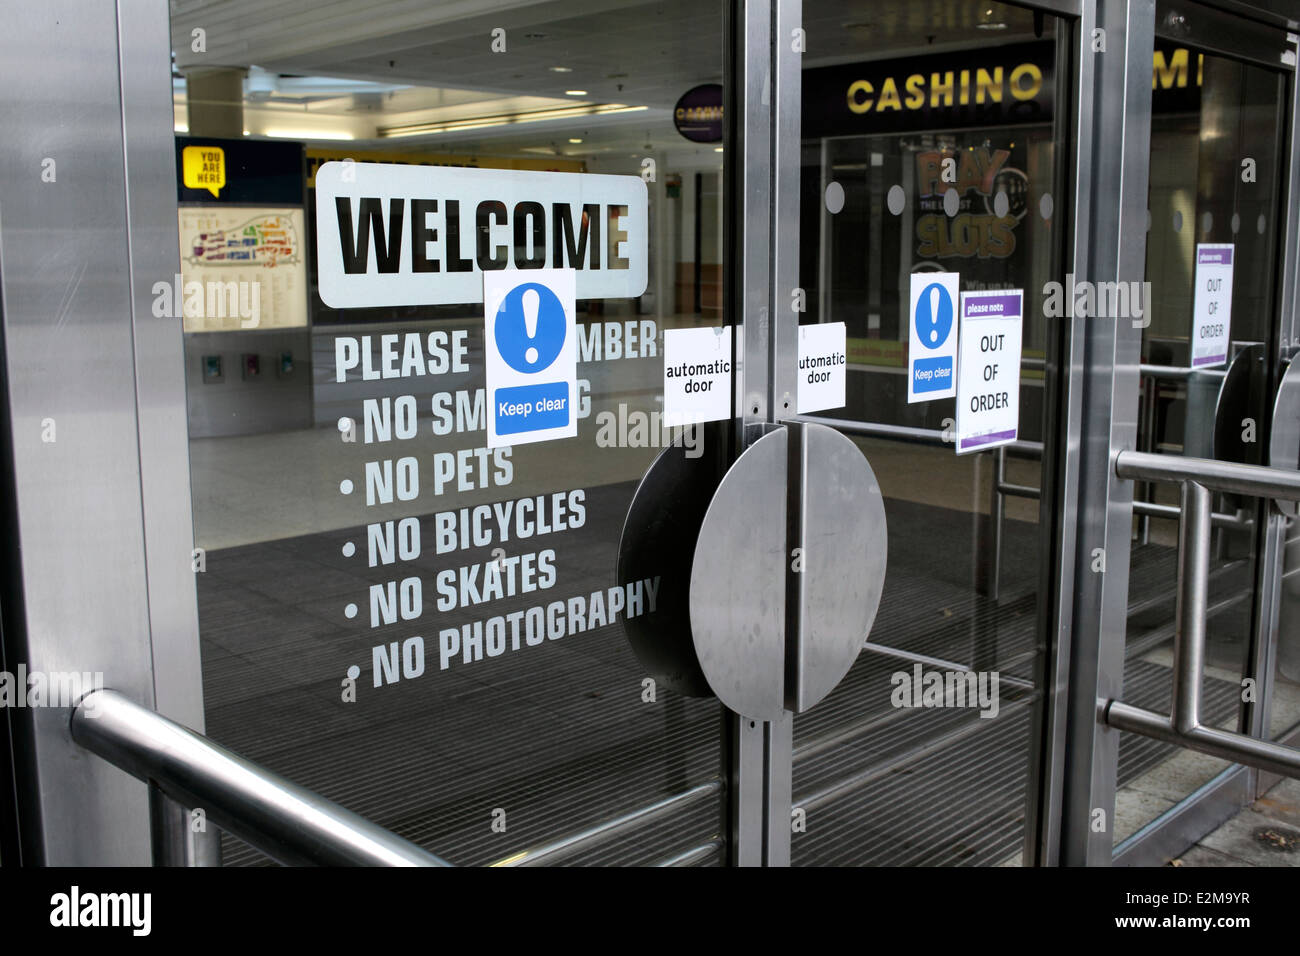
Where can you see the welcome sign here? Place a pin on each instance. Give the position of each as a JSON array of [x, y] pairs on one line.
[[390, 235]]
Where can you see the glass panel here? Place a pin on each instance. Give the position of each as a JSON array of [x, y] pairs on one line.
[[451, 664], [948, 161], [1215, 153]]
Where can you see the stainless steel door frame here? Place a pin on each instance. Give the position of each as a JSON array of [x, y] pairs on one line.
[[763, 183], [144, 38], [1090, 200], [99, 493], [1090, 779], [1106, 355]]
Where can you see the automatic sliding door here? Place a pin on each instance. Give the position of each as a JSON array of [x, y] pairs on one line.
[[914, 165], [449, 658], [1212, 361]]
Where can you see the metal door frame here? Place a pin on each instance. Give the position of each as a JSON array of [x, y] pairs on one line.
[[102, 579], [135, 616], [1083, 616], [1219, 798], [1088, 783], [139, 621], [763, 184], [761, 753]]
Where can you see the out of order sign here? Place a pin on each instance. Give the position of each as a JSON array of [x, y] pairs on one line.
[[391, 235], [1212, 304], [988, 369]]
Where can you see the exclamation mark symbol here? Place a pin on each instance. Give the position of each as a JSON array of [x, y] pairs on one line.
[[531, 303], [934, 314]]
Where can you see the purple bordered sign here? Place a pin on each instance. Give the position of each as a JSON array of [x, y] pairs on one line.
[[1212, 304], [988, 369]]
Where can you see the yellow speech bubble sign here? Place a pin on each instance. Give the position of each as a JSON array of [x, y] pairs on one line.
[[204, 167]]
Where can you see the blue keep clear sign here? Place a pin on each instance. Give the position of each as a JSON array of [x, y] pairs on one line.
[[530, 344], [932, 336]]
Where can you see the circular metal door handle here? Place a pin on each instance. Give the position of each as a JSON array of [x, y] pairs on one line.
[[788, 571], [658, 540]]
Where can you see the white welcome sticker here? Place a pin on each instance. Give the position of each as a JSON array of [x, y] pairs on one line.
[[427, 235]]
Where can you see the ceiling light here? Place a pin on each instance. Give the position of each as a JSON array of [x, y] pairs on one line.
[[717, 149], [574, 139], [307, 134], [510, 119], [575, 92], [560, 69]]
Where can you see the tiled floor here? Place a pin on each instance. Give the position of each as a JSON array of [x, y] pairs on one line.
[[1267, 833]]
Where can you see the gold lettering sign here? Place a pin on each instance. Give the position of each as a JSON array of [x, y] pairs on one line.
[[979, 86], [1171, 73], [699, 114], [949, 88]]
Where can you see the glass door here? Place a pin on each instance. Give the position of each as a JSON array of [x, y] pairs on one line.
[[1213, 355], [393, 612], [936, 165]]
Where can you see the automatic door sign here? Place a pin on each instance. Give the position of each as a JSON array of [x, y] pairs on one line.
[[822, 354], [932, 336], [423, 235], [988, 373], [697, 375], [1212, 304], [531, 356]]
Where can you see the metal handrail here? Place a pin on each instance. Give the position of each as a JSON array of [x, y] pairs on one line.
[[287, 822], [1149, 509], [1182, 725], [925, 436], [1178, 373], [1153, 509], [1253, 480]]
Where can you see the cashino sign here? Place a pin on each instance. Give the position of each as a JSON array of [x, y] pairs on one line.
[[1008, 84], [1002, 86]]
